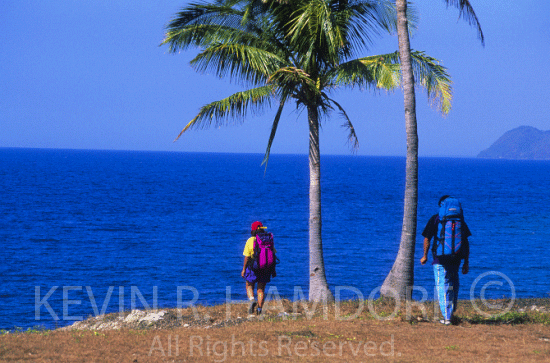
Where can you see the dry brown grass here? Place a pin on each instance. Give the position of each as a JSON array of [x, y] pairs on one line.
[[350, 331]]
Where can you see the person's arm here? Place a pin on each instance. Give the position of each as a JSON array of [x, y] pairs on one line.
[[466, 265], [426, 249], [429, 231], [245, 263], [247, 254], [274, 271]]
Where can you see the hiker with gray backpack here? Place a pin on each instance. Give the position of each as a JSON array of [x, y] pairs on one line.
[[259, 264], [450, 246]]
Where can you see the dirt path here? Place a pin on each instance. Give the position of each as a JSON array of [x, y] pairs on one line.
[[310, 341], [282, 337]]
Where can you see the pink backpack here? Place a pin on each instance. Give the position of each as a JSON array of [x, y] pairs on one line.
[[264, 254]]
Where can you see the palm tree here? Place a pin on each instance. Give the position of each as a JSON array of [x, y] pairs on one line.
[[296, 51], [400, 279]]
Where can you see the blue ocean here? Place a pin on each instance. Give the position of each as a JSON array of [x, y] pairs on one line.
[[91, 232]]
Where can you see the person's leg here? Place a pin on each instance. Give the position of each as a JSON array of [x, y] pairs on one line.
[[250, 294], [454, 285], [261, 296], [442, 285], [250, 290]]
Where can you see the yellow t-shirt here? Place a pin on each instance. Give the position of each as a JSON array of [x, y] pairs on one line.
[[249, 247]]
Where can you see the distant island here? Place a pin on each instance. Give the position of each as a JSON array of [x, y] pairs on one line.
[[524, 142]]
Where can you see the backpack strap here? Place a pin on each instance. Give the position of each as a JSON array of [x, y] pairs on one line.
[[256, 247], [453, 235], [439, 239]]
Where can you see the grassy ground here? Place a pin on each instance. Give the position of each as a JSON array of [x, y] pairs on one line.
[[357, 331]]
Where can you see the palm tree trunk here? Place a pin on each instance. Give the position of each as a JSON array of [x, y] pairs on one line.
[[401, 277], [318, 286]]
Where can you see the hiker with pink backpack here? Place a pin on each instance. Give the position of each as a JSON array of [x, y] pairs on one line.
[[259, 264]]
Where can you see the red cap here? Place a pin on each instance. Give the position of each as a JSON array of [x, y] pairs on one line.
[[256, 225]]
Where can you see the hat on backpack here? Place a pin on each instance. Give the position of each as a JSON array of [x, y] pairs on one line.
[[256, 225]]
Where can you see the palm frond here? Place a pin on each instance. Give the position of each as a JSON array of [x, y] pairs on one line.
[[314, 35], [364, 20], [232, 108], [434, 78], [292, 78], [326, 31], [353, 141], [201, 36], [379, 71], [239, 61], [274, 127], [413, 17], [467, 13], [185, 28]]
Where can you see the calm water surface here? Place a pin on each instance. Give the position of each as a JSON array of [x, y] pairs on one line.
[[85, 232]]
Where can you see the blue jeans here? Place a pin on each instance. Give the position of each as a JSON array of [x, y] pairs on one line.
[[446, 284]]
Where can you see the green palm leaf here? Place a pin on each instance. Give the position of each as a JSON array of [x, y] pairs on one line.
[[434, 78], [274, 127], [238, 61], [197, 24], [380, 71], [232, 108]]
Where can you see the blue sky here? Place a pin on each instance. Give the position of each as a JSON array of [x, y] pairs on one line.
[[89, 74]]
